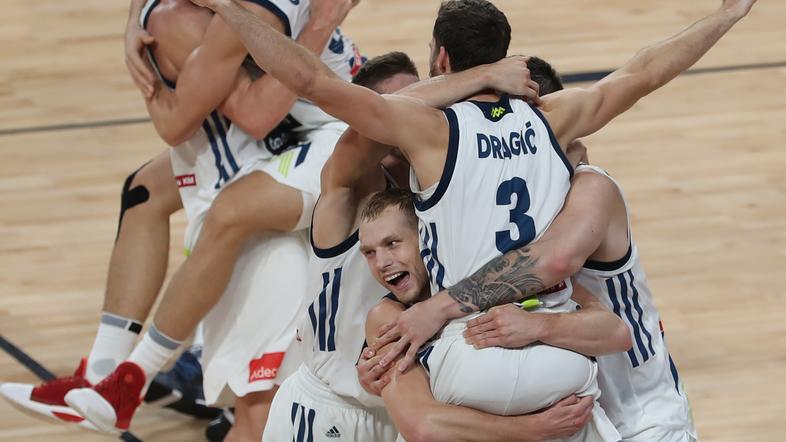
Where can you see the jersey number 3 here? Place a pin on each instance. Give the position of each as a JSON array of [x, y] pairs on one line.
[[518, 215]]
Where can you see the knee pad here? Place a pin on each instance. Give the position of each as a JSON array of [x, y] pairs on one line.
[[131, 197]]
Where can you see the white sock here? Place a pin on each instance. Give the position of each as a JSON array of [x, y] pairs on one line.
[[198, 342], [114, 341], [153, 352]]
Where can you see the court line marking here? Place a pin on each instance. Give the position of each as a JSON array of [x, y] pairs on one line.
[[39, 370], [570, 78]]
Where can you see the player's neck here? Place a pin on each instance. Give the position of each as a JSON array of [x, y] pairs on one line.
[[487, 96]]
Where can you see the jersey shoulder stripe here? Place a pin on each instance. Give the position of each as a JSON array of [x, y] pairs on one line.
[[554, 143], [450, 164]]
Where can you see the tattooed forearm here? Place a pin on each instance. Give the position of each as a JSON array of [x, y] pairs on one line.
[[504, 279]]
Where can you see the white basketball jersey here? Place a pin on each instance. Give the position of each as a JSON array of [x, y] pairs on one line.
[[504, 181], [344, 291], [641, 387], [219, 149]]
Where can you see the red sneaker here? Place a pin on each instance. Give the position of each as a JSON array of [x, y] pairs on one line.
[[111, 403], [47, 400]]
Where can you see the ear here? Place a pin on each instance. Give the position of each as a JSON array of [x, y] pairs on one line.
[[443, 60]]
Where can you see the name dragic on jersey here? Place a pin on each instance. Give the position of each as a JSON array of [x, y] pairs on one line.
[[504, 181]]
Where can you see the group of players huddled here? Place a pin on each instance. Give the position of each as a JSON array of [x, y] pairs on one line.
[[373, 257]]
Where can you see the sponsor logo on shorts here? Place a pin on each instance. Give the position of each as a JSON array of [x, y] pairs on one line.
[[265, 368], [333, 433], [186, 180]]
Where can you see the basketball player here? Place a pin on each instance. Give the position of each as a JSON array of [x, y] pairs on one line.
[[323, 399], [591, 238], [321, 29], [642, 393], [389, 241], [442, 149]]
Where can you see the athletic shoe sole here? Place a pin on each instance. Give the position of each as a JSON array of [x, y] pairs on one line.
[[94, 408], [18, 395]]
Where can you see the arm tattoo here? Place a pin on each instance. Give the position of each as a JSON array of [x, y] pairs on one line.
[[504, 279]]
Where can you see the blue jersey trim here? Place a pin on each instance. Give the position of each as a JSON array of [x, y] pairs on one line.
[[222, 173], [335, 289], [612, 266], [554, 142], [640, 311], [277, 12], [450, 164], [169, 83], [146, 17], [323, 312], [339, 249], [487, 107], [223, 136], [634, 361], [637, 334]]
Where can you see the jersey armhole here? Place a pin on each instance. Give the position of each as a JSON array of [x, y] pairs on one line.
[[450, 164], [143, 19], [554, 143], [338, 249], [612, 266]]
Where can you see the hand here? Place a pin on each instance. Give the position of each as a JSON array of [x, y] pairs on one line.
[[372, 376], [511, 75], [142, 74], [739, 8], [330, 12], [413, 327], [565, 418], [505, 326]]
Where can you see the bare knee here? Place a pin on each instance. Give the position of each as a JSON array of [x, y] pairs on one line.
[[224, 221], [145, 191]]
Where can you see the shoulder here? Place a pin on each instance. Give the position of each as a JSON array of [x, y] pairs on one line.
[[596, 182], [383, 313]]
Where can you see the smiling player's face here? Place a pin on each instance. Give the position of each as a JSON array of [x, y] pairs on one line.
[[392, 251]]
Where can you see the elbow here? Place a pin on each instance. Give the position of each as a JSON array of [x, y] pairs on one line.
[[304, 83], [561, 265], [173, 135], [420, 431], [421, 425], [258, 128], [621, 338]]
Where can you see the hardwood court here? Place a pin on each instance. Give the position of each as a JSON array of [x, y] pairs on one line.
[[701, 162]]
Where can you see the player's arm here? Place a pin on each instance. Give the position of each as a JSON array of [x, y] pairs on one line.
[[575, 113], [419, 417], [393, 120], [593, 330], [509, 75], [574, 235], [136, 40], [259, 106], [205, 80]]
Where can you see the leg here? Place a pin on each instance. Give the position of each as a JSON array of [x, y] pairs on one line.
[[138, 264], [251, 413], [136, 273], [140, 256], [254, 204]]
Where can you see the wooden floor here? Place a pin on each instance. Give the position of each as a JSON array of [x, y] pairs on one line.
[[701, 161]]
